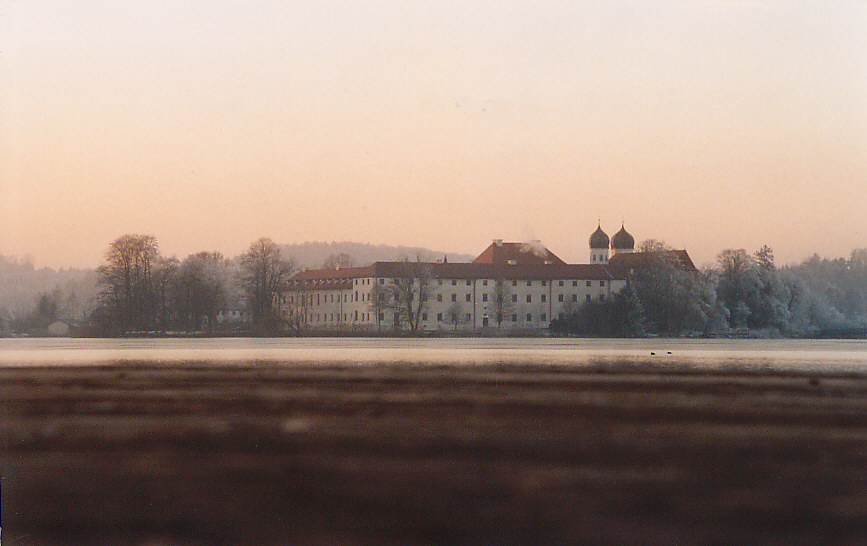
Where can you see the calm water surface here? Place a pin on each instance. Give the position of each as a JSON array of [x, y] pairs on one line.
[[836, 355]]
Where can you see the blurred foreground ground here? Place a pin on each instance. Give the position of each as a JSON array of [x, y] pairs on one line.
[[315, 454]]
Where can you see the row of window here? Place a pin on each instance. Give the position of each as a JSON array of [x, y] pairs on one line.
[[468, 317], [469, 282], [467, 297]]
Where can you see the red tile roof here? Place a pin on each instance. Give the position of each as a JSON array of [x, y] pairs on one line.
[[632, 260], [519, 253], [343, 278], [493, 263]]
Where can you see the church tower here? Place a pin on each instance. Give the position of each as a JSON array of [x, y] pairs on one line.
[[622, 242], [599, 246]]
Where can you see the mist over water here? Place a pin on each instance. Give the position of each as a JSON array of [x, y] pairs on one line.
[[783, 354]]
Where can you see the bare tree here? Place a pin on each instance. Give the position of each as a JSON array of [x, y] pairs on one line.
[[380, 301], [455, 314], [654, 245], [126, 279], [201, 289], [337, 261], [263, 271], [165, 281], [295, 306], [410, 291], [502, 300]]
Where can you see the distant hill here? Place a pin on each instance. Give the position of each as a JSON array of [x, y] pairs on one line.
[[314, 254]]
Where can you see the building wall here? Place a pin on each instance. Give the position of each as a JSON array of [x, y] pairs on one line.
[[530, 304]]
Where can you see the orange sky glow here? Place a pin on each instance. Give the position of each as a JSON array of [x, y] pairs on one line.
[[706, 124]]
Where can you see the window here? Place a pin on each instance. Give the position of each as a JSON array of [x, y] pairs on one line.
[[439, 297], [514, 283], [560, 298], [469, 297], [381, 317], [381, 281], [593, 258], [485, 282], [440, 282], [588, 283], [544, 283], [529, 298], [484, 297], [454, 297], [601, 297], [588, 297], [514, 317], [514, 298], [356, 315], [440, 317], [574, 297], [560, 316], [424, 317], [543, 318], [454, 282], [601, 283], [574, 283], [469, 282], [529, 317], [529, 283], [560, 283], [396, 318], [469, 317], [544, 298]]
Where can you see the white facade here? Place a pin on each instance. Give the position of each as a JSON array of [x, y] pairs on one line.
[[459, 297]]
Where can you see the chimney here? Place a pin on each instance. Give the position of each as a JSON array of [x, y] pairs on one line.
[[498, 242]]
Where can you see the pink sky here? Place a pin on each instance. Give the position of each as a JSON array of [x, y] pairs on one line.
[[707, 124]]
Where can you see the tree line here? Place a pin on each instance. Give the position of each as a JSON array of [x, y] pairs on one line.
[[139, 290], [742, 293], [143, 291]]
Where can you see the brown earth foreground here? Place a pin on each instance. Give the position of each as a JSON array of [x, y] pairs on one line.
[[146, 453]]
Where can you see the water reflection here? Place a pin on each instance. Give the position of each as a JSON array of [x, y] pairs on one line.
[[840, 355]]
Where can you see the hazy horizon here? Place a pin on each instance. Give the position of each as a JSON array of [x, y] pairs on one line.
[[706, 124]]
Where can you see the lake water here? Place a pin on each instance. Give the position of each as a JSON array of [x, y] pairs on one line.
[[781, 354]]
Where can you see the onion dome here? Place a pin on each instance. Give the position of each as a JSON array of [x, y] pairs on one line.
[[599, 239], [622, 240]]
